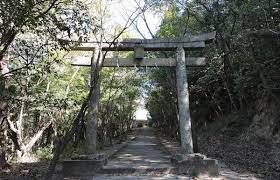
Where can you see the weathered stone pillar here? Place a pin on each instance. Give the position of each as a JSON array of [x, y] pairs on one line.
[[92, 116], [183, 102]]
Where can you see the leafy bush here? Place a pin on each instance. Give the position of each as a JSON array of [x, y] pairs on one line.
[[44, 153]]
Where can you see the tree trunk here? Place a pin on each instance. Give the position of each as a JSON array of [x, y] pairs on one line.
[[35, 138], [20, 146], [228, 71], [3, 102], [3, 161]]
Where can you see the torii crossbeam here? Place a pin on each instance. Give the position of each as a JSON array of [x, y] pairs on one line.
[[163, 44]]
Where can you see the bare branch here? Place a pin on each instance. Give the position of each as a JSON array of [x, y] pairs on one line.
[[147, 25], [138, 30], [142, 11]]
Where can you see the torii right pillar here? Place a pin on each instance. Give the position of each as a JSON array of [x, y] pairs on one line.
[[183, 102]]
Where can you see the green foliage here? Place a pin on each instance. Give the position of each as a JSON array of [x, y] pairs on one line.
[[120, 89], [243, 62], [47, 21], [195, 173], [44, 153], [162, 102], [40, 85]]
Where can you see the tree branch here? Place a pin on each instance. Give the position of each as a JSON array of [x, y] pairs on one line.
[[35, 138], [12, 126]]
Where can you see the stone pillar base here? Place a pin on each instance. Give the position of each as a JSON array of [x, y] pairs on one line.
[[195, 164], [83, 165]]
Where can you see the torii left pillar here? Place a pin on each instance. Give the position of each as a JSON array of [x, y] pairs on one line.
[[90, 163], [92, 116]]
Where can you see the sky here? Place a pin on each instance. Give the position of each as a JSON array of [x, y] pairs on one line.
[[141, 111], [120, 11]]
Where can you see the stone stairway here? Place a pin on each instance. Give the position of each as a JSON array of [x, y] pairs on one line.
[[141, 159]]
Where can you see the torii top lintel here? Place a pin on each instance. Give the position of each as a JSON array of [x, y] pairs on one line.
[[189, 42]]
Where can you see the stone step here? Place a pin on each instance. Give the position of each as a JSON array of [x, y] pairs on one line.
[[141, 177], [136, 170]]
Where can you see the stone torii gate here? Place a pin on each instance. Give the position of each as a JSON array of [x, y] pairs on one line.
[[139, 46]]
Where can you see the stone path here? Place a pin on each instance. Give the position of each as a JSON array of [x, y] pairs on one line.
[[143, 152], [141, 159]]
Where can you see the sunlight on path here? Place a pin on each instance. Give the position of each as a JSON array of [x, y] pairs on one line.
[[143, 152]]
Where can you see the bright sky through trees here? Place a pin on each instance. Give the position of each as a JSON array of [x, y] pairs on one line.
[[120, 11], [141, 112]]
